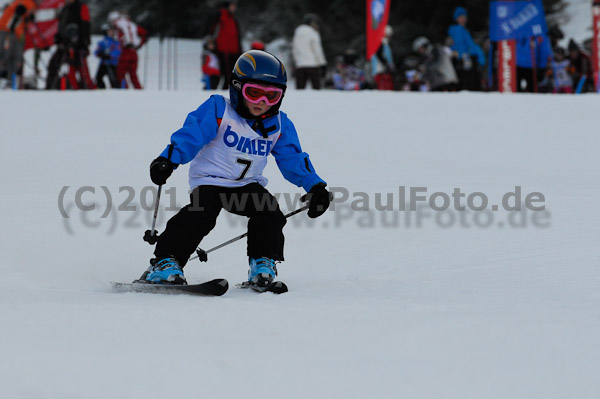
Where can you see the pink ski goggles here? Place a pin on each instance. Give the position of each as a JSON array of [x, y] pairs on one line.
[[255, 93]]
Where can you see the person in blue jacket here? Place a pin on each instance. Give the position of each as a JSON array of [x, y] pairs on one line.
[[108, 50], [226, 142], [468, 55], [533, 54]]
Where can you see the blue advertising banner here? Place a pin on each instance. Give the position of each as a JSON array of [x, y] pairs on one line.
[[516, 19]]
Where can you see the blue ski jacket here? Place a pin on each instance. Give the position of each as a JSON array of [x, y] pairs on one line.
[[464, 44], [108, 47], [542, 52], [201, 127]]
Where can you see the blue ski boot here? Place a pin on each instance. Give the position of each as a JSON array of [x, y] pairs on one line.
[[262, 271], [164, 271]]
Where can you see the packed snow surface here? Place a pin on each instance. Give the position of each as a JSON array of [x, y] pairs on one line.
[[420, 304]]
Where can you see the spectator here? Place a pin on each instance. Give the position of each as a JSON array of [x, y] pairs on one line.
[[347, 75], [308, 53], [211, 67], [12, 36], [580, 68], [226, 32], [414, 71], [108, 50], [382, 63], [72, 48], [533, 55], [468, 54], [563, 83], [436, 59], [132, 37]]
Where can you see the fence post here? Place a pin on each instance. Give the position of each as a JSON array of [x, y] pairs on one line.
[[169, 40], [175, 64], [160, 61], [146, 63]]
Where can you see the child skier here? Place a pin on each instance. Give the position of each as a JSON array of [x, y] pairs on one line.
[[227, 142], [211, 66], [563, 82], [108, 50]]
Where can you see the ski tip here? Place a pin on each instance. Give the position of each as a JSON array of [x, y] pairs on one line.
[[222, 286], [277, 287]]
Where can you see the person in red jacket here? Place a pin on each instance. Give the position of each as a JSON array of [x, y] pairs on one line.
[[132, 37], [226, 33]]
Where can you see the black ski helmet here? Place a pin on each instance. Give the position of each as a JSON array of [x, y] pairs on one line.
[[259, 67]]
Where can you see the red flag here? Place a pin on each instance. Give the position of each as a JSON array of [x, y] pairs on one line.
[[378, 12], [596, 43], [40, 34]]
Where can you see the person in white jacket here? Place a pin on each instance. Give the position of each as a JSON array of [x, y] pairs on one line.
[[308, 53]]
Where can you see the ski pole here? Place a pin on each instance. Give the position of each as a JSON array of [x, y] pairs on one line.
[[202, 255], [151, 236]]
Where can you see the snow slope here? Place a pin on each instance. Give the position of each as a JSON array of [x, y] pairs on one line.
[[378, 307]]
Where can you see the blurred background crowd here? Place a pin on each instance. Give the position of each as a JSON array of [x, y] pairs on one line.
[[427, 45]]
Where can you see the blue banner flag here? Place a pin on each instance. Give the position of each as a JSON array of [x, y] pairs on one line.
[[516, 19]]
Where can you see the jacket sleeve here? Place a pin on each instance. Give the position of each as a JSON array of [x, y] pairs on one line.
[[476, 51], [143, 34], [200, 128], [99, 48], [295, 165], [84, 27], [453, 32], [317, 49], [463, 43]]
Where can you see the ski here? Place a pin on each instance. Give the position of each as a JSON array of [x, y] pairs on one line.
[[276, 287], [216, 287]]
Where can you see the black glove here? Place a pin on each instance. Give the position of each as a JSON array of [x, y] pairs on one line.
[[318, 200], [160, 170]]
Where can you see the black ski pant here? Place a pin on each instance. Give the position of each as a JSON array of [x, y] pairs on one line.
[[526, 74], [213, 82], [111, 72], [193, 222], [312, 74], [227, 61]]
